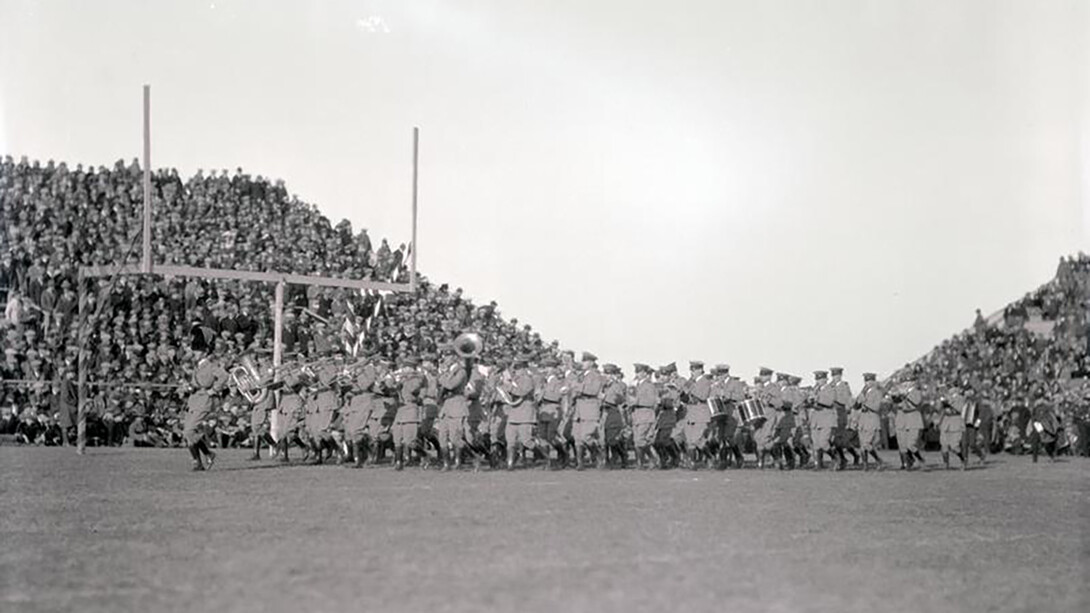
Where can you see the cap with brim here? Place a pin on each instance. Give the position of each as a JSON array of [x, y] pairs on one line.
[[589, 357], [836, 370], [820, 374], [722, 368], [694, 364], [765, 371], [869, 376]]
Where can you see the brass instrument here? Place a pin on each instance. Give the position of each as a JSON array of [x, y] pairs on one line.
[[249, 381], [468, 345]]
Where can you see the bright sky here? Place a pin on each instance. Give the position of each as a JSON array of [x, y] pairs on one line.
[[785, 183]]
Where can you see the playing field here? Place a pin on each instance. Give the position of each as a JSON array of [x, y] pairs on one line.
[[134, 530]]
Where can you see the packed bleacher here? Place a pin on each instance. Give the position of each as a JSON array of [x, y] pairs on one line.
[[1037, 343], [54, 218]]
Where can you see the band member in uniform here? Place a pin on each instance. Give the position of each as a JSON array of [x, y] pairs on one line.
[[549, 411], [588, 410], [479, 395], [521, 411], [909, 422], [613, 419], [698, 417], [209, 379], [357, 414], [645, 401], [764, 434], [571, 372], [497, 414], [406, 428], [260, 412], [676, 390], [669, 398], [823, 418], [790, 397], [801, 443], [454, 412], [845, 439], [868, 419], [429, 408], [952, 427], [321, 408], [290, 412], [383, 410], [731, 433]]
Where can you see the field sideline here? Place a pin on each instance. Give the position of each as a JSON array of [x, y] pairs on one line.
[[134, 530]]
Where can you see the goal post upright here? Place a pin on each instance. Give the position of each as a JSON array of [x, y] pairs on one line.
[[413, 244], [146, 264]]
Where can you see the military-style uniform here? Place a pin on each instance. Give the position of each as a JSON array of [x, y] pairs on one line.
[[614, 396], [645, 399], [429, 413], [550, 408], [521, 415], [406, 428], [208, 378], [867, 418], [259, 421], [698, 417], [765, 435], [909, 423], [588, 410], [322, 407], [868, 421], [952, 428], [823, 417], [383, 410], [290, 415], [454, 412], [357, 413], [790, 398], [845, 438], [731, 434]]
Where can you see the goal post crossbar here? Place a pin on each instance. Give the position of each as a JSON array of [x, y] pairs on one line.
[[169, 270]]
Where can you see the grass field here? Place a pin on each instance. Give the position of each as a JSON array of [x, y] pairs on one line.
[[134, 530]]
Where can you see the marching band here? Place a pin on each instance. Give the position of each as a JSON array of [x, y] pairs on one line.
[[449, 410]]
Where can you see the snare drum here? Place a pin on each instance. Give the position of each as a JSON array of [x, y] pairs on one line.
[[717, 407], [753, 411]]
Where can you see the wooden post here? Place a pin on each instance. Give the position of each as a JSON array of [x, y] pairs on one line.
[[415, 246], [278, 349], [146, 262]]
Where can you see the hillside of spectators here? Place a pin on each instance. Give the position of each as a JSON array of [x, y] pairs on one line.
[[54, 218], [1039, 343]]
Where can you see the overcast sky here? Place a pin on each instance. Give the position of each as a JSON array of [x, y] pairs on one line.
[[793, 184]]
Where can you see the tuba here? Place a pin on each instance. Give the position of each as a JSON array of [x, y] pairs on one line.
[[468, 345], [248, 380]]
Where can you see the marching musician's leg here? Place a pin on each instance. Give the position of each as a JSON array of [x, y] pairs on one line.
[[196, 454]]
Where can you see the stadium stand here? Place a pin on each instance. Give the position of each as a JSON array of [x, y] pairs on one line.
[[1038, 343], [54, 218]]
